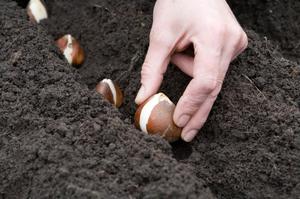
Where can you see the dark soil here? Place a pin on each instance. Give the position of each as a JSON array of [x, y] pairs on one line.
[[60, 139], [275, 20]]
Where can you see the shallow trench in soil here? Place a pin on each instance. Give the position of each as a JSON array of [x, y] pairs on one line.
[[67, 141]]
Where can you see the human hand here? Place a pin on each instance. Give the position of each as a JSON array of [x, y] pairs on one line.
[[217, 38]]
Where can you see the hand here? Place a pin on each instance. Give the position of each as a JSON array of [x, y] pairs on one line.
[[211, 28]]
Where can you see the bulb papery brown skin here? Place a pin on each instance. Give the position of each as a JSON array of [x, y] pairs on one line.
[[71, 49], [36, 10], [155, 116], [110, 91]]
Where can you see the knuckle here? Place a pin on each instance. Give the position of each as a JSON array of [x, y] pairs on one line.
[[208, 85], [146, 71], [244, 41], [149, 68], [149, 72], [214, 94], [190, 104], [145, 68], [239, 38], [236, 31], [160, 38]]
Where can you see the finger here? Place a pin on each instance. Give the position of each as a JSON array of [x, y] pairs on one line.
[[206, 80], [199, 118], [154, 67], [184, 63]]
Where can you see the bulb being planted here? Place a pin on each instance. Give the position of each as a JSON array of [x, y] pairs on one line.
[[110, 91], [155, 116], [71, 49], [36, 10]]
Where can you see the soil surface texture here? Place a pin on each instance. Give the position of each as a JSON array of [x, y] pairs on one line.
[[61, 139]]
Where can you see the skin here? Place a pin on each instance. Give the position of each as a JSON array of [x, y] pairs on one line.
[[212, 30]]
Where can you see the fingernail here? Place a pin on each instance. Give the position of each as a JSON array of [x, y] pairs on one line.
[[183, 120], [140, 95], [189, 136]]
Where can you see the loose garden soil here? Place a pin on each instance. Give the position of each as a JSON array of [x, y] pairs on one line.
[[60, 139]]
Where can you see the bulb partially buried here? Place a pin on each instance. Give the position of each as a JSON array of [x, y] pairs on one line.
[[36, 10], [155, 116], [71, 49], [110, 91]]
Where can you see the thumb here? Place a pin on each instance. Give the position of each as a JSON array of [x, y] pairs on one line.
[[153, 69]]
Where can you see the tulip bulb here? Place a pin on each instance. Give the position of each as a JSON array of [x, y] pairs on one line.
[[71, 49], [110, 91], [155, 116], [36, 10]]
